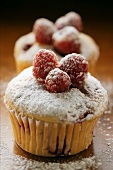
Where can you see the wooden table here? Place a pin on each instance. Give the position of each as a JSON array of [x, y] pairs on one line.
[[102, 145]]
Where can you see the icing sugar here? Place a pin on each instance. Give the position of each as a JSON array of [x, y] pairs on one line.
[[29, 97], [12, 161]]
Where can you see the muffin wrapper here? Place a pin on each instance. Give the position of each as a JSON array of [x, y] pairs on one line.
[[51, 139]]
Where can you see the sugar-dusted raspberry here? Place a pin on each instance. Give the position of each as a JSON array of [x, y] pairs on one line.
[[66, 40], [43, 30], [44, 61], [76, 66], [70, 19], [57, 81]]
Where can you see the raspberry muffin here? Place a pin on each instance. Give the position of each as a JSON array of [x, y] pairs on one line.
[[54, 106], [63, 37]]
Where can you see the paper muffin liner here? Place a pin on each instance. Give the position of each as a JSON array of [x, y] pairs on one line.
[[51, 139]]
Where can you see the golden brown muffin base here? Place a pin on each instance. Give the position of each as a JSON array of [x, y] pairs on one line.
[[51, 139]]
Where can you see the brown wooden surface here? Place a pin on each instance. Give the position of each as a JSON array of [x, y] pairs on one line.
[[102, 146]]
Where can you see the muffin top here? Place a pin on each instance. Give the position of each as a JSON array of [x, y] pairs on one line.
[[25, 95]]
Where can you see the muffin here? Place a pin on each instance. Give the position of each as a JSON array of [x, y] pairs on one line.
[[53, 106], [43, 36]]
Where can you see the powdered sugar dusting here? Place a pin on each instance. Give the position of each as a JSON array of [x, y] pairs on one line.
[[11, 161], [28, 96]]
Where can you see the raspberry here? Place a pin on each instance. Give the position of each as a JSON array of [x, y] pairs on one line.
[[70, 19], [44, 61], [43, 30], [66, 40], [76, 67], [57, 81]]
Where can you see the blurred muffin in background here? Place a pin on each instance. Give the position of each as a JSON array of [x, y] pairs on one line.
[[64, 36]]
